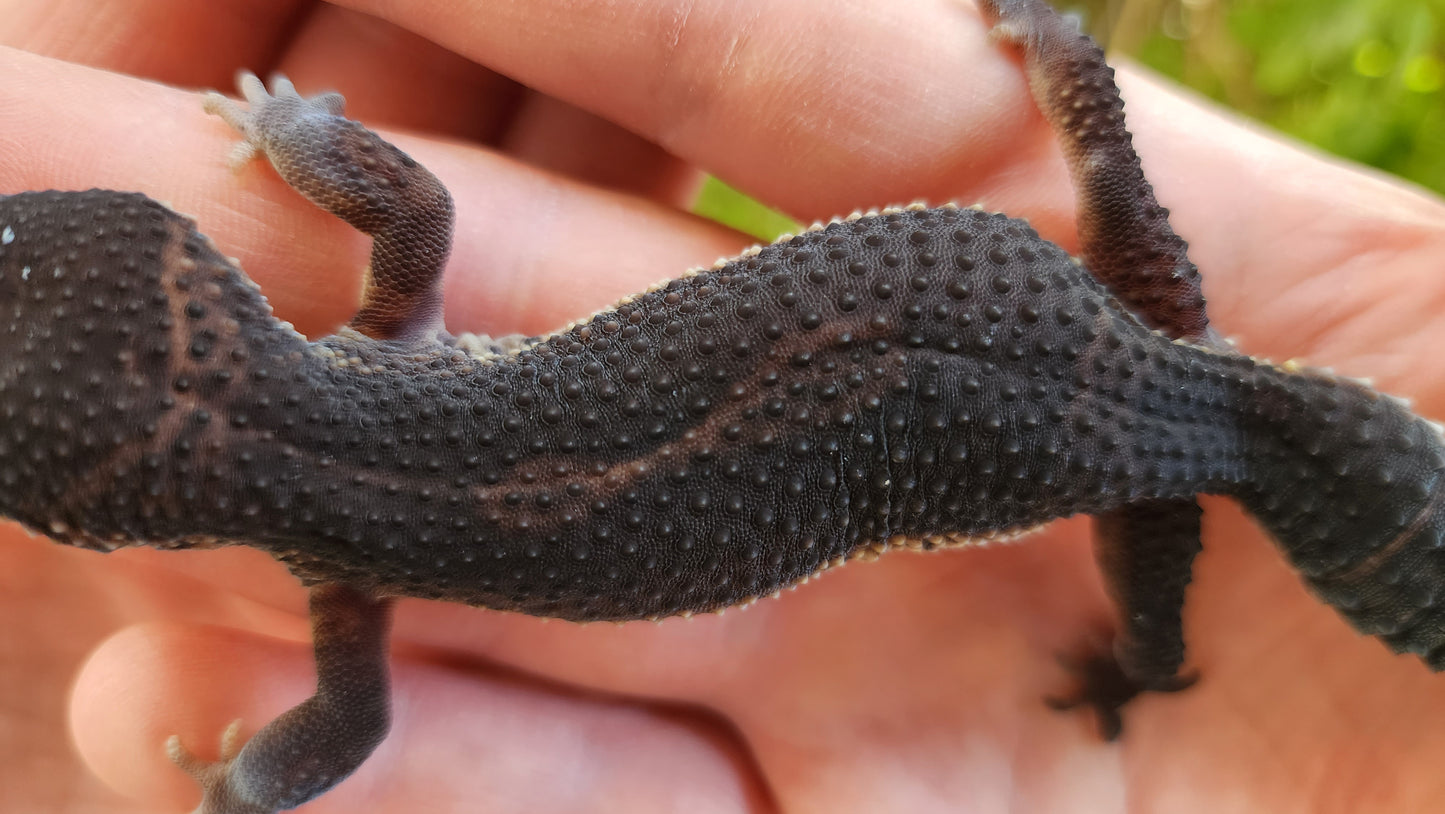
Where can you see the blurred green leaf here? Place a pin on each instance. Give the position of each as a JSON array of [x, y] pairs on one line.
[[720, 202], [1364, 79]]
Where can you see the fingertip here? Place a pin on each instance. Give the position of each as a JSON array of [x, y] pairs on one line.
[[152, 682], [459, 735]]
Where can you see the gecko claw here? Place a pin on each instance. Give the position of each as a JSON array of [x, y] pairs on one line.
[[198, 769], [213, 777], [1104, 687]]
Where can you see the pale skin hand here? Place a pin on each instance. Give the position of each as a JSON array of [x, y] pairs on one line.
[[912, 684]]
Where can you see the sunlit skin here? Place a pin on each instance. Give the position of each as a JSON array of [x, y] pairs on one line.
[[911, 684]]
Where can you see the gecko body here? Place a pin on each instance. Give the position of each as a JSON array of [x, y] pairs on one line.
[[920, 377]]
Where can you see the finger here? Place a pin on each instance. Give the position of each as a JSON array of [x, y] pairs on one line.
[[814, 106], [65, 602], [157, 141], [459, 735], [174, 41], [533, 251], [392, 77], [58, 613], [821, 107], [553, 135], [388, 75]]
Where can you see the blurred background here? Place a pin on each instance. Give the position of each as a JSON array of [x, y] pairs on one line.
[[1363, 79]]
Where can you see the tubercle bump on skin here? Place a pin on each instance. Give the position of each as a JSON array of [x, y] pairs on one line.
[[720, 263], [869, 552]]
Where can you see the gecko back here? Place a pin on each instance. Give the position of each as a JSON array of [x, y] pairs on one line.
[[126, 337], [149, 396]]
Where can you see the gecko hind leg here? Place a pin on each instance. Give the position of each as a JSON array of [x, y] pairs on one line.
[[1125, 236], [352, 173], [1146, 550]]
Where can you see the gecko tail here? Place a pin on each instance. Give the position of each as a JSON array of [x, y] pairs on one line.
[[1351, 484]]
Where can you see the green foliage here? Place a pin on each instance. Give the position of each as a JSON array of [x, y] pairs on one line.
[[1364, 79], [719, 202]]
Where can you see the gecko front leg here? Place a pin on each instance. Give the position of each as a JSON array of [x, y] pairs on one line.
[[319, 742], [352, 173]]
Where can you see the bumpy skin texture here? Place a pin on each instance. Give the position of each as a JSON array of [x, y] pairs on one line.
[[1145, 549], [1349, 483], [922, 375], [916, 377], [375, 187], [1123, 231]]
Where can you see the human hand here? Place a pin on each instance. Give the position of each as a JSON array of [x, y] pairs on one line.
[[912, 683]]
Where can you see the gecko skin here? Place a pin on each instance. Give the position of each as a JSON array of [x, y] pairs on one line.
[[918, 377]]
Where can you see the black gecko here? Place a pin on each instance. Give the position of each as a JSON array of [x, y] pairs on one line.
[[916, 377]]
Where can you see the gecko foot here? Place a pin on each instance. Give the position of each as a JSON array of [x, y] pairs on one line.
[[261, 124], [1022, 23], [214, 777], [1104, 687]]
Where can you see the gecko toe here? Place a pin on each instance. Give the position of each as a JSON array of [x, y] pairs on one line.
[[220, 791], [267, 123], [252, 89], [203, 771], [1104, 687]]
